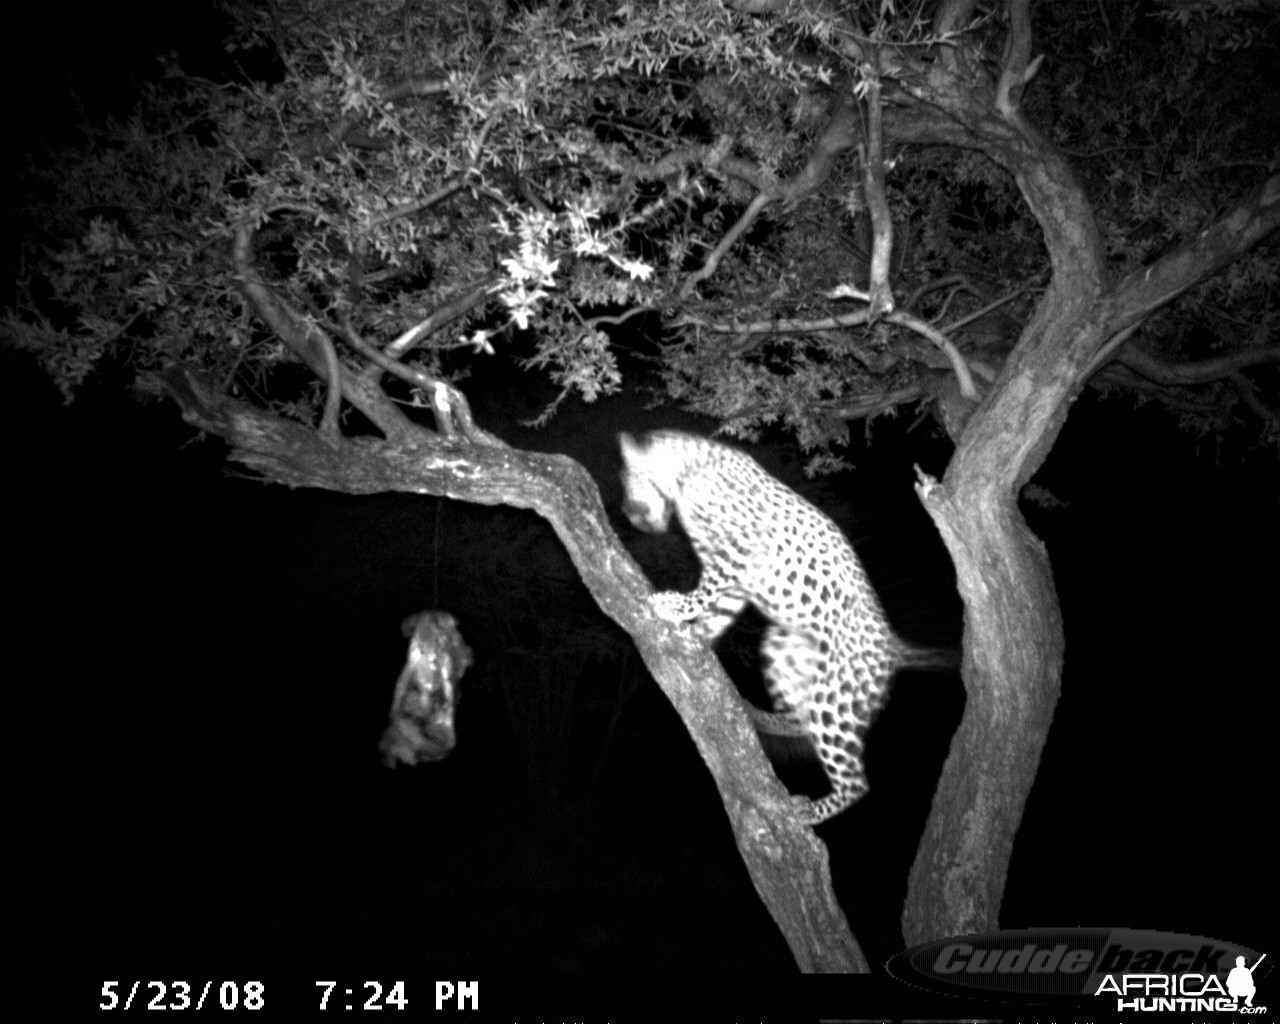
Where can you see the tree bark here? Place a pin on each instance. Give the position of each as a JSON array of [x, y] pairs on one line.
[[1013, 631]]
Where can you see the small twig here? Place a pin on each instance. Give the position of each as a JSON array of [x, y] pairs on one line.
[[951, 328], [449, 406], [1249, 395], [329, 429], [752, 211], [871, 157], [464, 303], [944, 343]]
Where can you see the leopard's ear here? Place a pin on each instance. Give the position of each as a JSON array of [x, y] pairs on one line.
[[630, 446]]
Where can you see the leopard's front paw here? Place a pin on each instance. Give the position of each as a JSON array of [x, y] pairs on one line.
[[672, 606], [806, 809]]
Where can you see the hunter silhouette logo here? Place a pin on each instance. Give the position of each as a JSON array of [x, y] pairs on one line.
[[1240, 981]]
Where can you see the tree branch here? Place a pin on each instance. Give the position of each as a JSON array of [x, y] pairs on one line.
[[944, 344], [1249, 395], [708, 268], [832, 323], [872, 159], [327, 138], [445, 190], [1017, 68], [1145, 290], [305, 343], [1201, 371], [449, 405], [841, 133], [451, 310]]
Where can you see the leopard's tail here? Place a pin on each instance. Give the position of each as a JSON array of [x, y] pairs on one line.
[[926, 659], [773, 723]]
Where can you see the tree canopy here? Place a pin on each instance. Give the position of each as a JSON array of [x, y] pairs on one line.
[[544, 183]]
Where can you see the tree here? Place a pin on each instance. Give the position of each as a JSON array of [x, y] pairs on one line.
[[810, 213]]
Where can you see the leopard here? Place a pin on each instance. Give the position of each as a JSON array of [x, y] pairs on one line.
[[828, 653]]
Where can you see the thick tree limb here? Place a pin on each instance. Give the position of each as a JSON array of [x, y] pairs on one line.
[[1144, 291], [944, 344], [1201, 371], [766, 328], [871, 157], [450, 407], [1017, 68], [305, 343]]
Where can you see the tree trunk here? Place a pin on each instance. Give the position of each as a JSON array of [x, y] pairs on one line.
[[1013, 672], [1013, 632], [1013, 628]]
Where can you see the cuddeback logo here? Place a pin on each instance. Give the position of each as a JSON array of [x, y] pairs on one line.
[[1139, 971]]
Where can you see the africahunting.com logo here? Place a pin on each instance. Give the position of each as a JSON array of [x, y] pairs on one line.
[[1188, 991], [1130, 971]]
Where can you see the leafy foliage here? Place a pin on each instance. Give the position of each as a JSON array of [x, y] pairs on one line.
[[533, 174], [1161, 110]]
